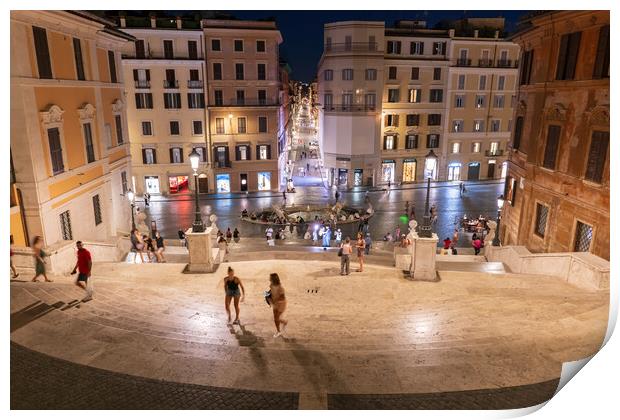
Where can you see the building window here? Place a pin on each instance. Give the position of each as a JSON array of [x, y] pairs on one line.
[[498, 101], [475, 147], [262, 97], [597, 156], [527, 58], [347, 74], [264, 152], [461, 82], [551, 148], [457, 126], [328, 100], [261, 71], [147, 128], [196, 127], [168, 49], [124, 182], [172, 100], [88, 140], [53, 135], [239, 71], [328, 75], [415, 95], [413, 120], [439, 48], [493, 149], [79, 63], [242, 153], [195, 100], [149, 156], [416, 48], [371, 74], [391, 120], [175, 129], [459, 101], [415, 73], [436, 95], [202, 151], [112, 66], [392, 72], [393, 47], [432, 141], [262, 124], [65, 226], [238, 45], [411, 141], [176, 155], [140, 50], [42, 52], [456, 147], [192, 50], [478, 126], [97, 210], [516, 142], [216, 45], [217, 71], [118, 123], [241, 126], [542, 212], [144, 101], [240, 97], [370, 100], [501, 81], [260, 46], [389, 142], [480, 99], [482, 82], [393, 95], [434, 119], [583, 237], [601, 63], [567, 56], [218, 97], [219, 126], [437, 73], [495, 125]]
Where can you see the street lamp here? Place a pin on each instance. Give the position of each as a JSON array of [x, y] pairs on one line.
[[430, 164], [130, 197], [500, 205], [425, 231], [194, 159]]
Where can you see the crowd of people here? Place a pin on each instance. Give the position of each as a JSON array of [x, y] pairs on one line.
[[154, 246]]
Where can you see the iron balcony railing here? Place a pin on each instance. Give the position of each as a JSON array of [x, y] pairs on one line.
[[171, 84], [349, 107], [143, 84], [485, 62], [352, 47], [195, 84], [508, 63], [247, 102], [493, 152], [463, 62]]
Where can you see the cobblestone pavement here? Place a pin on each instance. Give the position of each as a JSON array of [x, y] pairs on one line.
[[482, 399], [41, 382]]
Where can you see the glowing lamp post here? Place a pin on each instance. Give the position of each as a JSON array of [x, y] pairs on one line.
[[500, 205], [130, 197], [194, 159]]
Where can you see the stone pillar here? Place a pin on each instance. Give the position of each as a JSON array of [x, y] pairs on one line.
[[423, 257], [200, 252]]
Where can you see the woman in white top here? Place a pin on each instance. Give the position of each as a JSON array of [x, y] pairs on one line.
[[278, 303]]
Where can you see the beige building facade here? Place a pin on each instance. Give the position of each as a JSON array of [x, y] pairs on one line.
[[69, 142]]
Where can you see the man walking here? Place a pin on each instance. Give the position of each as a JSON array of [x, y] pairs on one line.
[[345, 257], [84, 265]]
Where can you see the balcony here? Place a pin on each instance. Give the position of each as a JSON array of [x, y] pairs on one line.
[[508, 64], [491, 153], [143, 84], [171, 84], [195, 84], [463, 62], [349, 108], [225, 164], [485, 62], [247, 102], [352, 47]]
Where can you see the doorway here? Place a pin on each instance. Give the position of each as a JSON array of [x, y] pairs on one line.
[[244, 182], [203, 185], [491, 170], [454, 172], [473, 171], [409, 170], [343, 176]]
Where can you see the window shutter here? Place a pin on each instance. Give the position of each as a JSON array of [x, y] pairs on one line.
[[237, 153], [226, 156], [42, 52], [148, 75], [171, 155], [597, 156], [248, 152], [112, 65], [384, 142], [154, 155], [268, 151], [181, 154], [144, 156], [573, 52], [601, 64], [516, 142], [395, 144], [385, 121], [559, 74], [149, 100], [551, 148], [135, 74], [215, 155], [396, 120], [421, 47], [443, 47]]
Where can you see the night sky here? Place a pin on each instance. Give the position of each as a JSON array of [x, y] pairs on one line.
[[303, 30]]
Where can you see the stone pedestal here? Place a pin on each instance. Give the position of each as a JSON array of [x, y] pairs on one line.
[[488, 241], [424, 253], [200, 252]]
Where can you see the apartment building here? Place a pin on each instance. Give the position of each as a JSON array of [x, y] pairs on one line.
[[350, 89], [70, 155], [481, 94], [165, 73], [557, 188], [243, 102], [446, 100]]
